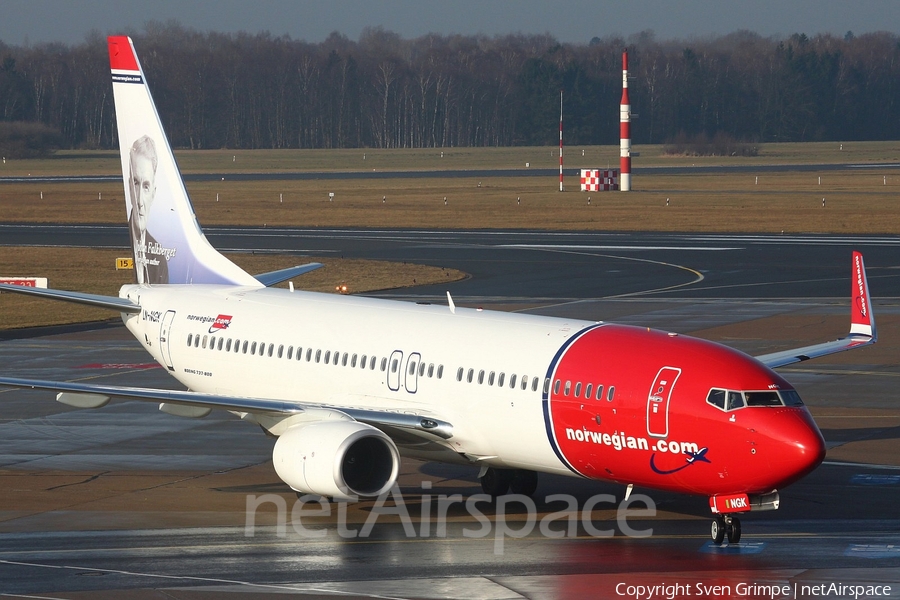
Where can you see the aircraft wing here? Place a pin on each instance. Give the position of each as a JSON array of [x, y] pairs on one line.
[[113, 302], [85, 395], [862, 325]]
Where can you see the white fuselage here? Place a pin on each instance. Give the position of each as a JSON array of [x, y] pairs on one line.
[[309, 349]]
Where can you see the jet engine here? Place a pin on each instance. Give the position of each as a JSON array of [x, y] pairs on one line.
[[340, 459]]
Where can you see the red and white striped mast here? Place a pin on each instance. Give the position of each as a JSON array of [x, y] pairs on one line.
[[560, 143], [624, 130]]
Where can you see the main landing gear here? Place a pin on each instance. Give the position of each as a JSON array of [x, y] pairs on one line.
[[725, 526], [497, 482]]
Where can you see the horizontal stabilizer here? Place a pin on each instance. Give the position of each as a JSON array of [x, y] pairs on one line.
[[862, 325], [112, 302], [276, 277]]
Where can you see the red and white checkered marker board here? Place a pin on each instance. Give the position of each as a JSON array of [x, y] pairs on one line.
[[597, 180]]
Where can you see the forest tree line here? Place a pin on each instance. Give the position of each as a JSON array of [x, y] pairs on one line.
[[217, 90]]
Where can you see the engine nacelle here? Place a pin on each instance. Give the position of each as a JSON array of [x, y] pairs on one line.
[[340, 459]]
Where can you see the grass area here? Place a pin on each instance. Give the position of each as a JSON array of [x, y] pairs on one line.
[[857, 201], [92, 271], [226, 161]]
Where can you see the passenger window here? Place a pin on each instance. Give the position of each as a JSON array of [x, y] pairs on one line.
[[318, 355], [327, 357], [568, 388], [469, 375], [394, 364], [480, 377], [244, 347], [512, 381], [490, 378], [344, 360], [500, 379], [556, 386], [190, 339], [220, 344], [253, 348], [197, 341], [440, 372], [459, 374], [546, 385], [353, 361], [280, 350], [735, 400], [578, 389], [383, 364], [204, 342], [412, 368], [430, 369], [599, 392], [525, 382], [587, 390], [228, 345], [716, 398], [309, 354], [337, 357], [611, 393], [362, 361], [372, 363], [422, 369], [290, 353], [271, 350]]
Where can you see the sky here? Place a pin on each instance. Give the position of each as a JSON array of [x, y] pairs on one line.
[[575, 21]]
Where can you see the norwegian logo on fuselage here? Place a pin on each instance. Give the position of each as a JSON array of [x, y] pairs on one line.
[[221, 322]]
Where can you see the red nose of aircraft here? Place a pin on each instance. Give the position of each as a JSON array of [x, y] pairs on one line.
[[798, 446]]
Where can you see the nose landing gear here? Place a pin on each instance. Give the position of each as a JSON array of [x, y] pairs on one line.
[[725, 526]]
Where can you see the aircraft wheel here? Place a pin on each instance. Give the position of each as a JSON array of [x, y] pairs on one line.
[[496, 481], [523, 482], [717, 530], [734, 531]]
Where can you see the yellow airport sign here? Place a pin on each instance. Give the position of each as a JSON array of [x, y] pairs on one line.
[[124, 263]]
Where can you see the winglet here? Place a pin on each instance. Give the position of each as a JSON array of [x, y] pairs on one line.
[[862, 319], [862, 325]]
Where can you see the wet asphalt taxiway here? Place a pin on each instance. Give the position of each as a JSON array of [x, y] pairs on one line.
[[125, 501]]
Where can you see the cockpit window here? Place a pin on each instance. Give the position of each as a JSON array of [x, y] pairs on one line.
[[716, 398], [728, 400], [763, 399], [791, 398], [735, 400]]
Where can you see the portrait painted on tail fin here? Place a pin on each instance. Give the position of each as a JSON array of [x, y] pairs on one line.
[[151, 260]]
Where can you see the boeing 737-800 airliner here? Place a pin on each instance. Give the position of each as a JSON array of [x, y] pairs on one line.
[[350, 384]]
